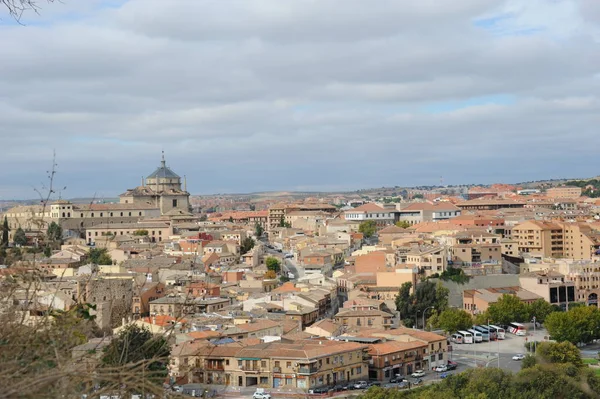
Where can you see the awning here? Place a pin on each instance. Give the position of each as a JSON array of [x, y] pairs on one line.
[[250, 358]]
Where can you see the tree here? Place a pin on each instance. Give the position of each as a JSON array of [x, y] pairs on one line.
[[426, 294], [47, 251], [559, 352], [453, 319], [99, 256], [368, 228], [54, 233], [247, 245], [5, 231], [273, 264], [528, 361], [403, 299], [418, 196], [509, 308], [581, 324], [141, 232], [20, 238], [203, 218], [16, 8], [403, 223], [270, 274], [539, 309], [230, 219], [138, 346], [258, 230], [283, 223]]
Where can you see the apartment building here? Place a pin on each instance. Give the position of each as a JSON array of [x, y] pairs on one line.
[[556, 239], [564, 192], [392, 358], [489, 204], [550, 285], [584, 274], [157, 230], [179, 306], [381, 216], [278, 212], [429, 259], [479, 300], [301, 364], [420, 212], [77, 217], [364, 318]]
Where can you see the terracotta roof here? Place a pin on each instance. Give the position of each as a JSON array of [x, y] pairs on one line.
[[368, 207], [387, 347]]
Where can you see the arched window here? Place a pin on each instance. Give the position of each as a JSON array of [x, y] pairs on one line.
[[63, 214]]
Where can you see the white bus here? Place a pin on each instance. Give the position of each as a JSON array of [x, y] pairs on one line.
[[467, 337], [517, 329], [477, 336], [456, 338], [500, 333], [485, 334], [490, 330]]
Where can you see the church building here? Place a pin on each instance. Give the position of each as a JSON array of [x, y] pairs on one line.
[[161, 189]]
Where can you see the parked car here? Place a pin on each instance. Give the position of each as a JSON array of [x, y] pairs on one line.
[[444, 375], [418, 374], [374, 384], [403, 384], [339, 387], [518, 356], [441, 369], [319, 390], [397, 379], [361, 385], [451, 365], [261, 395], [417, 381]]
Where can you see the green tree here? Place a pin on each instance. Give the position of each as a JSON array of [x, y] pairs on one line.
[[99, 256], [418, 196], [47, 251], [453, 319], [403, 223], [247, 244], [528, 361], [559, 352], [203, 218], [258, 230], [507, 309], [283, 223], [138, 346], [273, 264], [230, 219], [367, 228], [539, 309], [20, 238], [141, 232], [426, 295], [403, 300], [5, 231], [54, 234], [560, 328]]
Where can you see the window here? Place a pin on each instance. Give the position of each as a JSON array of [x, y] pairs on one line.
[[174, 203], [440, 356], [288, 364], [140, 213], [226, 362], [263, 364], [277, 364], [129, 213]]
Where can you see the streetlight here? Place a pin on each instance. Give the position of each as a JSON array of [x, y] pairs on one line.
[[425, 311], [534, 323], [417, 319]]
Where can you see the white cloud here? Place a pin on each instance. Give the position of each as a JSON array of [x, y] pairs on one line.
[[265, 94]]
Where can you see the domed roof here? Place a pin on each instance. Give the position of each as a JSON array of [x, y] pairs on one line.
[[163, 172]]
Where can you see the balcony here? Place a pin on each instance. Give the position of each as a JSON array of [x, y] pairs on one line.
[[251, 369], [277, 369], [214, 367], [308, 370]]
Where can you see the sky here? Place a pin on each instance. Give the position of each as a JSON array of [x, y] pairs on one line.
[[307, 95]]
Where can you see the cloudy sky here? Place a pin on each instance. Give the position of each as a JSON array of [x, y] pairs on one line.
[[254, 95]]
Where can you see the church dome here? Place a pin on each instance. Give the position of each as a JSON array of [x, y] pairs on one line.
[[163, 172]]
